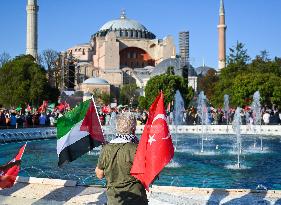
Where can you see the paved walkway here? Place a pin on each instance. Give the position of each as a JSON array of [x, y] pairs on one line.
[[53, 192]]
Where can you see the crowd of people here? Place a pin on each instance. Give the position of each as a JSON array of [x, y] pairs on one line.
[[268, 116], [14, 119]]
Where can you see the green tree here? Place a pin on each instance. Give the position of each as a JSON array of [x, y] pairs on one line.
[[168, 84], [236, 61], [142, 102], [240, 79], [244, 86], [105, 97], [22, 80], [238, 54], [170, 70], [129, 94], [101, 97], [206, 83], [4, 58], [49, 60]]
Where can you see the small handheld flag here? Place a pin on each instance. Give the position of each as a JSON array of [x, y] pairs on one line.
[[78, 132]]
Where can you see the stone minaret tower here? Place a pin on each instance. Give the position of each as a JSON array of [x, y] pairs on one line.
[[221, 30], [32, 28]]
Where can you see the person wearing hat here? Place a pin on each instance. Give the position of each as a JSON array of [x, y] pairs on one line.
[[115, 162]]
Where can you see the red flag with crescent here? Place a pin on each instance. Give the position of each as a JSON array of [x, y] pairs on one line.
[[155, 149]]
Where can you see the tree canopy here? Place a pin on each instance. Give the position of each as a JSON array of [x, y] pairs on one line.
[[24, 81], [4, 58], [241, 78], [169, 84], [129, 94]]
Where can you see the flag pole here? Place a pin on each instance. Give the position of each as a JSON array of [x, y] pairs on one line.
[[93, 100], [23, 149]]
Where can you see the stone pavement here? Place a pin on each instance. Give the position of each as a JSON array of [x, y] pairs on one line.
[[47, 191]]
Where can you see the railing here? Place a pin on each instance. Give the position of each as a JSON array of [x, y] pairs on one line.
[[26, 134]]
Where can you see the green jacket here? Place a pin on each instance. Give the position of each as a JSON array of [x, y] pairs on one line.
[[116, 160]]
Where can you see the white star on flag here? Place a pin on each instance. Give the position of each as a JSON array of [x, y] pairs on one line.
[[151, 139]]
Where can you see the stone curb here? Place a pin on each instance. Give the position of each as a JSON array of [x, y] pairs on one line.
[[174, 189], [46, 181]]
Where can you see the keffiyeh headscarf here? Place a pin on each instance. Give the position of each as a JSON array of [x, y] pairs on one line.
[[125, 127], [125, 138]]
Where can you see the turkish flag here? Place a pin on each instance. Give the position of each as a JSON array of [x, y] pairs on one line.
[[155, 149], [10, 171]]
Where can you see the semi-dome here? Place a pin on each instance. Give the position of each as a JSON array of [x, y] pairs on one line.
[[125, 28], [162, 67], [95, 80]]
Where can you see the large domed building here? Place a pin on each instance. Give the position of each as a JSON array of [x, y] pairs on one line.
[[118, 52]]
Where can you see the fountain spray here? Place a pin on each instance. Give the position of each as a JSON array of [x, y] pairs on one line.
[[202, 111], [179, 110], [226, 109], [256, 108], [236, 127]]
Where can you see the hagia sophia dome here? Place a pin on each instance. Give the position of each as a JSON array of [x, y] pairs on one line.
[[125, 28]]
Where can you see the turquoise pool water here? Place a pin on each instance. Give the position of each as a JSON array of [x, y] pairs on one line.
[[214, 168]]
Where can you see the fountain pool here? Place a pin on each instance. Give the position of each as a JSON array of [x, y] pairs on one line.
[[215, 167]]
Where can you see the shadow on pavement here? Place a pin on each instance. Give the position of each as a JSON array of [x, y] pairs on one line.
[[217, 196]]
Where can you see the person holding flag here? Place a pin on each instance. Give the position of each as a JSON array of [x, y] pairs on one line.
[[129, 168], [115, 162]]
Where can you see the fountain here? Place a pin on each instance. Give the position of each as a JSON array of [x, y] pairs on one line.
[[256, 108], [236, 127], [178, 109], [188, 168], [226, 109], [178, 113], [202, 111]]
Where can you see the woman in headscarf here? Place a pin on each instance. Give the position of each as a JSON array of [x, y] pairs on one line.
[[115, 163]]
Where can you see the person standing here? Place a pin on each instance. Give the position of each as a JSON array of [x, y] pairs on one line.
[[115, 163], [266, 117]]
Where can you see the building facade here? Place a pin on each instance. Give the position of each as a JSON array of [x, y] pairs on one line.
[[184, 48], [117, 51]]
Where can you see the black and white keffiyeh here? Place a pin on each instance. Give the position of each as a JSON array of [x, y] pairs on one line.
[[125, 138]]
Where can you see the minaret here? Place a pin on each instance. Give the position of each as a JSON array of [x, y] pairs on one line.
[[32, 28], [221, 30]]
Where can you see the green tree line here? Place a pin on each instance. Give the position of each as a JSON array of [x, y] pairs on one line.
[[22, 81], [242, 77]]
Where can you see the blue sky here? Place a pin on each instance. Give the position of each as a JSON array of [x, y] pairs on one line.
[[64, 23]]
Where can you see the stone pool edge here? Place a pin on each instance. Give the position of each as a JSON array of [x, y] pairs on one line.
[[30, 190]]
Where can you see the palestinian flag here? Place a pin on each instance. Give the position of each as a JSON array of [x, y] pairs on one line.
[[78, 132]]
